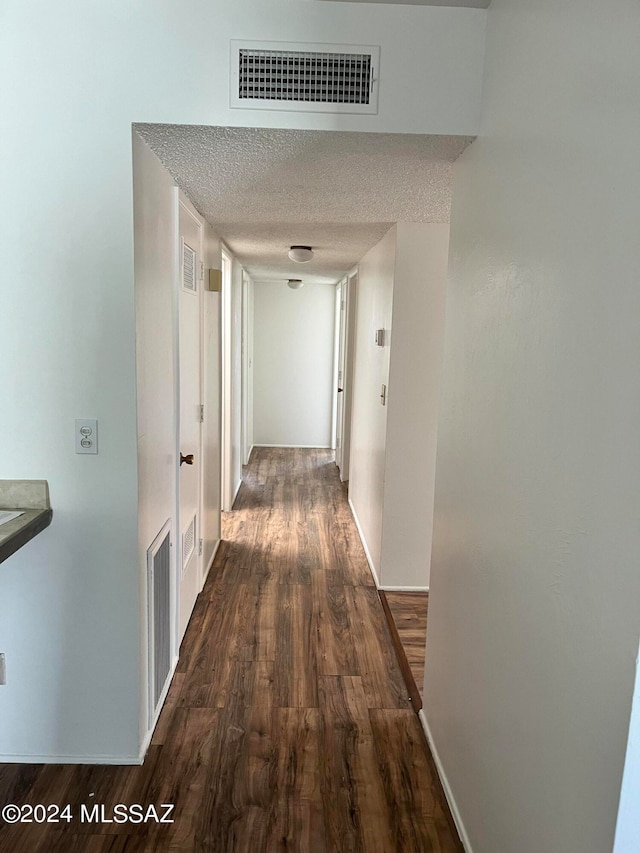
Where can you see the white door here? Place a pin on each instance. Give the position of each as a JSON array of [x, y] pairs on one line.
[[189, 445]]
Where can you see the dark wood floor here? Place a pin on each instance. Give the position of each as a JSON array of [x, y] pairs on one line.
[[287, 726], [409, 612]]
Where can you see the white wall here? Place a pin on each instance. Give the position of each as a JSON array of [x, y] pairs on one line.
[[534, 611], [155, 292], [415, 369], [401, 284], [236, 375], [75, 77], [293, 364], [247, 367], [231, 320], [156, 242], [211, 398], [250, 367], [374, 303]]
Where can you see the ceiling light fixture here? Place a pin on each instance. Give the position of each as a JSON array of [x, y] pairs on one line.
[[295, 283], [301, 254]]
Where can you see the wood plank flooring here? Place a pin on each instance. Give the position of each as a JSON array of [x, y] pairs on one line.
[[409, 613], [287, 726]]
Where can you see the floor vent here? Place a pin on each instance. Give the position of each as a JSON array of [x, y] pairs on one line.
[[304, 77], [159, 616]]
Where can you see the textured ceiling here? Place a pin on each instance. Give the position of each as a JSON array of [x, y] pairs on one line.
[[264, 190]]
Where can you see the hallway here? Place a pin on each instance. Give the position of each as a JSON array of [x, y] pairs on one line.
[[287, 725]]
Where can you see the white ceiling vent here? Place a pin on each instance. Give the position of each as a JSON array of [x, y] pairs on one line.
[[326, 78]]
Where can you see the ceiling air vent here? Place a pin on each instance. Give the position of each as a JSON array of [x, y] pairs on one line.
[[304, 77]]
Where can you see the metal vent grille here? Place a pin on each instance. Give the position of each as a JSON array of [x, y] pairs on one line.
[[188, 543], [305, 77], [329, 78], [159, 616], [188, 267]]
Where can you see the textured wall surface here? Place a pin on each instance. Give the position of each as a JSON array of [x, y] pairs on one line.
[[534, 612]]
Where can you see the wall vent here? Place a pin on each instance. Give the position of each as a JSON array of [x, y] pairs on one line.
[[188, 544], [188, 267], [159, 616], [304, 77]]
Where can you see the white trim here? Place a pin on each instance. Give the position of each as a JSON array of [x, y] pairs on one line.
[[210, 563], [364, 544], [336, 365], [351, 302], [21, 758], [457, 818], [235, 495], [249, 454], [386, 588], [307, 446], [163, 698], [250, 365], [244, 426], [176, 563], [146, 743], [227, 378]]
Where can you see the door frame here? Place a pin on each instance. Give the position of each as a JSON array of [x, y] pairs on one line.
[[181, 201], [337, 351], [348, 293], [226, 439], [246, 368]]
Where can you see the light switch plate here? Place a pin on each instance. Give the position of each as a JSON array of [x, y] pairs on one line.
[[86, 435]]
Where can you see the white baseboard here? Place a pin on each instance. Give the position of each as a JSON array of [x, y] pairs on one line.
[[210, 563], [364, 544], [387, 588], [99, 759], [147, 741], [248, 459], [302, 446], [235, 494], [457, 818], [19, 758]]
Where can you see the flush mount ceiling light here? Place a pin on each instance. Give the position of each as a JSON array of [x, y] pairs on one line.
[[301, 254], [295, 283]]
